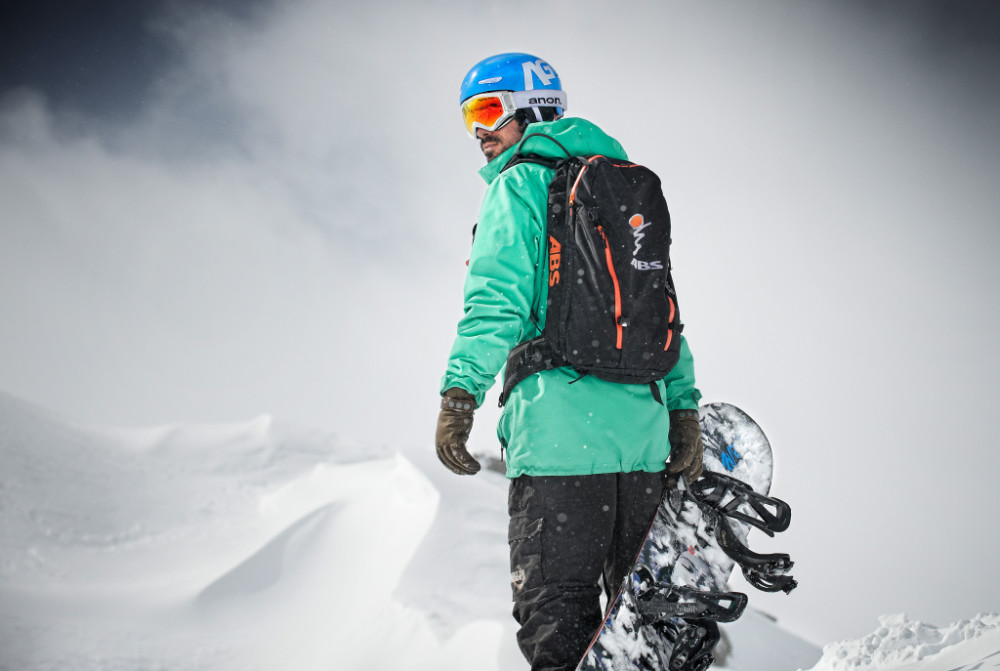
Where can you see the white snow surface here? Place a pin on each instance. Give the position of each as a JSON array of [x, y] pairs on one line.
[[264, 545], [903, 644]]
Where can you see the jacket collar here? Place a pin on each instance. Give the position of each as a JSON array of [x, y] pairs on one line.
[[491, 170]]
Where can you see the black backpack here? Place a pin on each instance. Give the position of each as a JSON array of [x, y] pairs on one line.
[[612, 309]]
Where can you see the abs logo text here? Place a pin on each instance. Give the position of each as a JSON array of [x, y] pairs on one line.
[[639, 224]]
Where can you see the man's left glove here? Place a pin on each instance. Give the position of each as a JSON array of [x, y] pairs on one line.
[[686, 449], [453, 427]]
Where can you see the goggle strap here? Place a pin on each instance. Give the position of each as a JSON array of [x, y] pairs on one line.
[[539, 98]]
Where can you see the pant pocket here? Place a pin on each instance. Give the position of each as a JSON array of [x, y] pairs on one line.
[[524, 536]]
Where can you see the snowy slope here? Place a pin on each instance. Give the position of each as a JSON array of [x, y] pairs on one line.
[[901, 644], [224, 547], [267, 546]]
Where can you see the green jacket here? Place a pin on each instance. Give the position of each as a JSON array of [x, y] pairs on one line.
[[549, 426]]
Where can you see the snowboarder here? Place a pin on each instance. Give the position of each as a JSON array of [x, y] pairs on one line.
[[587, 459]]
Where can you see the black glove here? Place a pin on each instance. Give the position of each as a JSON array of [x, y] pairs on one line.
[[686, 449], [453, 427]]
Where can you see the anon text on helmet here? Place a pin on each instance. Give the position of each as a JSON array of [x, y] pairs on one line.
[[545, 100]]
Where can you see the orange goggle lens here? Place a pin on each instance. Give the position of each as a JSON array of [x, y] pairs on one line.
[[487, 110]]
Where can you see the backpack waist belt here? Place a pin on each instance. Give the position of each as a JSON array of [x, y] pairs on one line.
[[534, 356], [530, 357]]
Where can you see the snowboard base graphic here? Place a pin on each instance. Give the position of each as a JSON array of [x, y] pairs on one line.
[[666, 612]]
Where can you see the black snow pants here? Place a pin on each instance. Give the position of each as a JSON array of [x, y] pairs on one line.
[[566, 534]]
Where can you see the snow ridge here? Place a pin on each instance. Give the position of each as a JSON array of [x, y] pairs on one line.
[[900, 642]]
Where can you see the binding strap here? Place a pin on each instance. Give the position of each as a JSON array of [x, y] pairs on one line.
[[766, 572], [693, 646], [663, 601]]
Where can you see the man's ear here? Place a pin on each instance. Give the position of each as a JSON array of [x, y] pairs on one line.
[[521, 116]]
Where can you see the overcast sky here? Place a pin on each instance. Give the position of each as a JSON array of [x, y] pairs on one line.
[[210, 211]]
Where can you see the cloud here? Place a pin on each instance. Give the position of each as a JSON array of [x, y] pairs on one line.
[[243, 245]]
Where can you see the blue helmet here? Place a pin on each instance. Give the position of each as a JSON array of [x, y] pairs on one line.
[[516, 72]]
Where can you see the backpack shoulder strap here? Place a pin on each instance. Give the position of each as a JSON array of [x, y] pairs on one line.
[[521, 156]]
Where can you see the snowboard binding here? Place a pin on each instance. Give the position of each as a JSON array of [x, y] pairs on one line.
[[725, 500], [658, 601], [686, 617], [693, 646]]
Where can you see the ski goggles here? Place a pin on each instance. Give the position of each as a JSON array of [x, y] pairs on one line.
[[490, 111]]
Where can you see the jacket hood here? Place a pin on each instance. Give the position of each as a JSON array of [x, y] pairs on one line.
[[579, 136]]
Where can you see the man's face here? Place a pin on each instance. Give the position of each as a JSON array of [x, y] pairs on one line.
[[495, 142]]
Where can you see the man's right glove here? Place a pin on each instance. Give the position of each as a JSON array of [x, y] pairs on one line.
[[453, 427], [686, 449]]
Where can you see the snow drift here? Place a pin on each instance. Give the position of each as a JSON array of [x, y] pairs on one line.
[[263, 545], [239, 546]]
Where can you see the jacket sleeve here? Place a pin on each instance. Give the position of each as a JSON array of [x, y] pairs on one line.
[[682, 394], [500, 286]]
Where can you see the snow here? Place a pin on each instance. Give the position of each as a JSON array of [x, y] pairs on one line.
[[266, 545], [903, 644]]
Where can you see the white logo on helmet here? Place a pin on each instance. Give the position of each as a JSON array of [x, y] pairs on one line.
[[539, 69], [491, 80]]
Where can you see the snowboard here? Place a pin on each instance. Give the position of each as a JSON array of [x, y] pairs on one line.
[[666, 612]]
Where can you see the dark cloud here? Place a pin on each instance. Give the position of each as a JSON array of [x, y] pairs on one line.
[[969, 24], [97, 58], [93, 57], [954, 47], [942, 29]]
